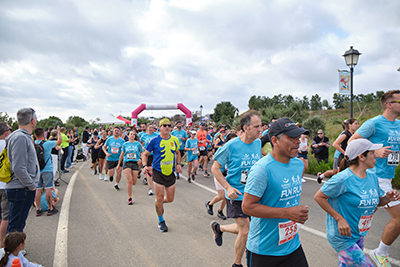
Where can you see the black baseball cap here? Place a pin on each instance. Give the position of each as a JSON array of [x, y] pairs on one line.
[[285, 126]]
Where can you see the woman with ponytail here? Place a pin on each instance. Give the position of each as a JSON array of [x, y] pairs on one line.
[[14, 242], [350, 199]]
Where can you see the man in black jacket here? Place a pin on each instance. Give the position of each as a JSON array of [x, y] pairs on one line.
[[85, 139], [321, 146]]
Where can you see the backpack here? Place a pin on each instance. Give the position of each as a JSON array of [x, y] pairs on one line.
[[40, 155], [5, 167]]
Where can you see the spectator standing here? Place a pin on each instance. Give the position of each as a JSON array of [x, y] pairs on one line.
[[321, 146], [5, 131], [64, 146], [85, 139], [24, 164]]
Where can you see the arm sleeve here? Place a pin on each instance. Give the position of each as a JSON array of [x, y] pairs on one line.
[[20, 163], [367, 129], [334, 187], [257, 181]]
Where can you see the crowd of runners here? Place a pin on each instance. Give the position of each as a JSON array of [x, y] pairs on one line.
[[258, 171]]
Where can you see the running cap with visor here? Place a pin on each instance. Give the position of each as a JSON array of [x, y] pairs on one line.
[[164, 121], [193, 132], [359, 146], [285, 126]]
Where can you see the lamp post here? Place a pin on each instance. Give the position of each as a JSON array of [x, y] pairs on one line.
[[201, 111], [351, 58]]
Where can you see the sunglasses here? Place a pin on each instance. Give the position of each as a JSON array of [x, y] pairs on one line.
[[320, 133], [166, 125], [33, 112], [394, 101]]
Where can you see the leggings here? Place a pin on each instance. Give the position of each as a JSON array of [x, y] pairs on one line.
[[354, 255]]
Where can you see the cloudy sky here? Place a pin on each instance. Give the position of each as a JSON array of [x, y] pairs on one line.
[[91, 58]]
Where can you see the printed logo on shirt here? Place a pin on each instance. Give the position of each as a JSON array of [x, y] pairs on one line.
[[369, 199], [291, 190], [394, 139]]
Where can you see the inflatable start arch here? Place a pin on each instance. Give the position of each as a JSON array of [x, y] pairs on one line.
[[136, 112]]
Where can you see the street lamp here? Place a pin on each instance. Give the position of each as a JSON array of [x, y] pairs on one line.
[[201, 111], [351, 58]]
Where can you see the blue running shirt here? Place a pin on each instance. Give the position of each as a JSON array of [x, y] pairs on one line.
[[180, 134], [114, 147], [192, 143], [164, 153], [132, 151], [47, 147], [146, 138], [355, 199], [379, 130], [239, 158], [277, 185]]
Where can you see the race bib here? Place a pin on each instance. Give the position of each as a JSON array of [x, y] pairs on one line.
[[131, 155], [393, 158], [365, 223], [202, 148], [243, 177], [180, 143], [114, 150], [195, 151], [287, 231]]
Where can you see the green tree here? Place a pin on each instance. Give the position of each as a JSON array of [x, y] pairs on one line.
[[340, 100], [313, 124], [316, 102], [325, 104], [305, 102], [10, 121], [77, 121], [225, 111], [50, 122]]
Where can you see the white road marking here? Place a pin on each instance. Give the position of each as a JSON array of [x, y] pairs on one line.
[[303, 227], [61, 247]]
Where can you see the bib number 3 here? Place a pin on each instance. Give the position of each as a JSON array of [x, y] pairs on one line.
[[287, 231], [393, 158]]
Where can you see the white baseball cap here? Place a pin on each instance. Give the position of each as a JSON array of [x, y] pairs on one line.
[[359, 146]]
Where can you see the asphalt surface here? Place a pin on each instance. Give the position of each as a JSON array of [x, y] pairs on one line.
[[96, 227]]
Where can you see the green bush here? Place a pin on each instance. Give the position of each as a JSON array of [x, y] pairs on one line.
[[313, 124], [396, 180], [314, 167]]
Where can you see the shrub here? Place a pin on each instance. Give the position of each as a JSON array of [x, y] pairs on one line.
[[313, 124]]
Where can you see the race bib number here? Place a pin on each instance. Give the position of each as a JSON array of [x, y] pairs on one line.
[[202, 148], [365, 223], [114, 150], [131, 155], [243, 178], [393, 158], [287, 231], [195, 151]]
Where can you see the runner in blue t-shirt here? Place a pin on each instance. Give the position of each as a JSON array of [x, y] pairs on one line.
[[239, 154], [272, 198], [350, 199], [182, 136], [384, 129], [192, 155], [145, 140], [130, 155], [112, 149], [46, 179]]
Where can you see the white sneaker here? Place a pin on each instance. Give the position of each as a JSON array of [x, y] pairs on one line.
[[380, 260], [106, 177], [150, 192], [303, 180], [73, 163], [101, 176]]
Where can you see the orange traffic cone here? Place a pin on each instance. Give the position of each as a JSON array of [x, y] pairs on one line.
[[16, 263]]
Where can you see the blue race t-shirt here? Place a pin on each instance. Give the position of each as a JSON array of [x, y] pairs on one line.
[[277, 185], [146, 138], [190, 155], [355, 199], [209, 137], [132, 151], [379, 130], [239, 158], [114, 147], [264, 132], [43, 200], [47, 147], [164, 153], [180, 134]]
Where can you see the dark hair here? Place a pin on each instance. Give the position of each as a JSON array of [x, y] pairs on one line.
[[39, 132], [11, 242], [136, 134], [246, 120], [3, 127], [230, 136], [345, 163]]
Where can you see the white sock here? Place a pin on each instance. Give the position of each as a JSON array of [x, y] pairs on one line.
[[116, 183], [382, 249]]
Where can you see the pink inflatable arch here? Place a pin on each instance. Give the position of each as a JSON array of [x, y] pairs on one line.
[[142, 107]]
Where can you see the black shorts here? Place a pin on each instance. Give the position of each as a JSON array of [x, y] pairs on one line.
[[182, 153], [95, 157], [149, 160], [162, 179], [101, 154], [111, 164], [296, 258], [203, 153], [234, 209], [133, 165]]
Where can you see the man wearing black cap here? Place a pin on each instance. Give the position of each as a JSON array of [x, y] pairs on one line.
[[272, 196]]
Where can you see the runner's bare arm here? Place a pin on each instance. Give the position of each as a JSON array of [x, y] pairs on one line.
[[231, 191]]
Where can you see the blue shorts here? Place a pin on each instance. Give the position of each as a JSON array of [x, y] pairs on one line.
[[46, 179], [302, 155]]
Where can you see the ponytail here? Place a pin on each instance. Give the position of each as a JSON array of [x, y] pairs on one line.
[[11, 243]]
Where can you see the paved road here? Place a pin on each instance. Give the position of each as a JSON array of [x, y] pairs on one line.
[[97, 227]]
